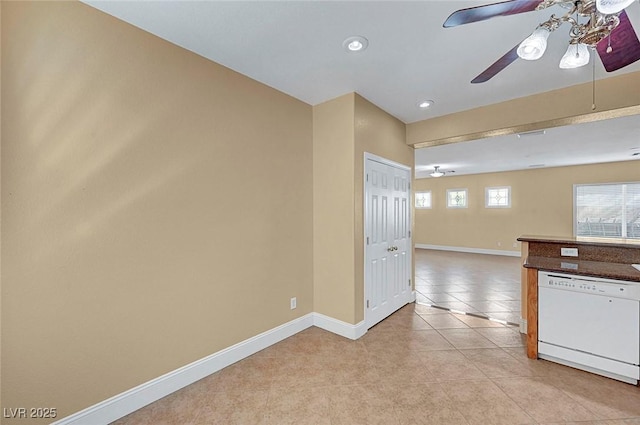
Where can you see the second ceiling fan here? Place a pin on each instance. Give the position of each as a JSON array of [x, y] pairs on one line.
[[605, 28]]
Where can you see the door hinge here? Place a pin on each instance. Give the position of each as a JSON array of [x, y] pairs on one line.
[[409, 282], [367, 240], [409, 233], [367, 303], [367, 176]]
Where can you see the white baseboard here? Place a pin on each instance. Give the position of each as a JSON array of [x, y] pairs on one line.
[[136, 398], [129, 401], [469, 250], [523, 326], [339, 327]]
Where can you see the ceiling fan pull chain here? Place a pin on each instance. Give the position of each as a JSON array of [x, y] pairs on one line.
[[578, 25], [593, 86], [609, 49]]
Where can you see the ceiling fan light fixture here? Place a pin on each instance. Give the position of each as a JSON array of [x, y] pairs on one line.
[[533, 47], [577, 55], [609, 7], [436, 172]]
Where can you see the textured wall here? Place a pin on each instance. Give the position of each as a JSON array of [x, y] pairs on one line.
[[156, 207], [333, 204]]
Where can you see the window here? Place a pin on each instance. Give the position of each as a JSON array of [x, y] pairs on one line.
[[607, 210], [456, 198], [497, 197], [423, 199]]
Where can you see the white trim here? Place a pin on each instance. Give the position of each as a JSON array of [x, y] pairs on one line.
[[469, 250], [386, 161], [136, 398], [339, 327], [415, 198], [486, 196], [523, 326], [131, 400], [466, 198]]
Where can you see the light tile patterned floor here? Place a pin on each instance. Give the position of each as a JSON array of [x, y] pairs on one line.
[[422, 365], [486, 285]]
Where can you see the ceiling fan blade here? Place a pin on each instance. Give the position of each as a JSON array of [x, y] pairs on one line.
[[497, 66], [624, 44], [481, 13]]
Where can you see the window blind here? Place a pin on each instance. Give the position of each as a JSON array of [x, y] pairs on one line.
[[608, 210]]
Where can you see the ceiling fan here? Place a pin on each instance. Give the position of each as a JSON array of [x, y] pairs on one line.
[[605, 28], [437, 173]]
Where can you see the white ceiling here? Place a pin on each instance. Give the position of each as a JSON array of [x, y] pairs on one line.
[[605, 141], [296, 47]]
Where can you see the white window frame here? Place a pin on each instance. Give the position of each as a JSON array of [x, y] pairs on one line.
[[466, 198], [487, 196], [429, 197], [605, 233]]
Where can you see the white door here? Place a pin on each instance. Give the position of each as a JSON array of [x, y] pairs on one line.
[[387, 239]]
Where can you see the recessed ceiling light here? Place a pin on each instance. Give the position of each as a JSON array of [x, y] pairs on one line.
[[424, 104], [355, 43]]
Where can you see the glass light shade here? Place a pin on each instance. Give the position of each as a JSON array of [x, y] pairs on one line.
[[436, 172], [577, 55], [609, 7], [533, 47]]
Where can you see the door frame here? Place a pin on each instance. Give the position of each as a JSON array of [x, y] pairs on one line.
[[369, 156]]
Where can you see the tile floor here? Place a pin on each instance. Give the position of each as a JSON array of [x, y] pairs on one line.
[[486, 285], [421, 365]]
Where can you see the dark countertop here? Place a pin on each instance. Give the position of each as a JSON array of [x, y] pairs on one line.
[[623, 243], [606, 270]]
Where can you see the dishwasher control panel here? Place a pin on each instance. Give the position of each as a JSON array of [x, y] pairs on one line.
[[606, 287]]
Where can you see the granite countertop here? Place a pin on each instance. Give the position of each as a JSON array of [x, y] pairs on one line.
[[607, 270], [580, 240]]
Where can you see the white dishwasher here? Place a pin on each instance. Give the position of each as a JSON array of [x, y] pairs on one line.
[[590, 323]]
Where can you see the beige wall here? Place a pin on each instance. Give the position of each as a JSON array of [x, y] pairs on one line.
[[344, 129], [378, 133], [615, 96], [0, 209], [542, 204], [156, 207], [333, 205]]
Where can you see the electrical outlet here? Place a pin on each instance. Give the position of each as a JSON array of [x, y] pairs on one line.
[[294, 303], [515, 244], [569, 252], [499, 243]]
